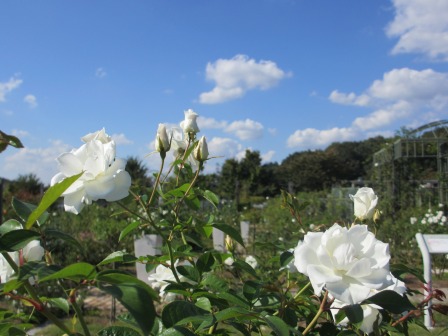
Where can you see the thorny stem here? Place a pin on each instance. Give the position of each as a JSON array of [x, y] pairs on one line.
[[176, 209], [319, 312], [183, 159], [31, 291]]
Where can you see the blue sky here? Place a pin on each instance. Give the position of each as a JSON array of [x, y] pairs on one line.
[[277, 76]]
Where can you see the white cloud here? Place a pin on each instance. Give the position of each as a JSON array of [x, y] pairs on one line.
[[272, 131], [314, 138], [421, 26], [39, 161], [8, 86], [100, 73], [20, 133], [400, 94], [245, 129], [234, 77], [225, 147], [210, 123], [120, 139], [267, 157], [348, 98], [31, 100], [384, 117]]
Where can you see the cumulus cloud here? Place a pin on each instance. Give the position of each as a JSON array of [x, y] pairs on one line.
[[314, 138], [234, 77], [210, 123], [421, 26], [400, 94], [31, 100], [100, 73], [225, 147], [120, 139], [402, 97], [267, 157], [40, 161], [20, 133], [245, 129], [7, 87]]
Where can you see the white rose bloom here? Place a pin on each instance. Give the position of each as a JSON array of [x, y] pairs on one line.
[[251, 261], [350, 263], [162, 277], [229, 261], [371, 314], [5, 270], [33, 251], [365, 202], [104, 175], [189, 125]]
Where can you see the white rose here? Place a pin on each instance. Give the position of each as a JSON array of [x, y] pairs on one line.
[[349, 263], [162, 140], [5, 270], [200, 152], [33, 251], [251, 261], [189, 125], [104, 175], [163, 276], [365, 202]]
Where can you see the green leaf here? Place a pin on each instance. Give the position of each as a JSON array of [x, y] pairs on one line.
[[251, 289], [75, 272], [177, 331], [24, 210], [54, 233], [128, 229], [10, 225], [118, 331], [189, 272], [231, 313], [137, 298], [17, 239], [205, 262], [60, 303], [211, 197], [178, 310], [215, 283], [231, 231], [50, 196], [391, 301], [278, 326], [119, 277], [118, 256], [204, 303], [242, 265], [9, 140], [285, 258], [234, 299], [354, 313]]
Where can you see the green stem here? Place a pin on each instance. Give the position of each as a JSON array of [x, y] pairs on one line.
[[32, 292], [176, 209], [157, 181], [302, 290], [80, 317], [311, 325]]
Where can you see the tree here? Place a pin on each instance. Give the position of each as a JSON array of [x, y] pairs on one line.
[[27, 188], [138, 171]]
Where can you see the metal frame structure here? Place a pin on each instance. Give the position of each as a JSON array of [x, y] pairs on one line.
[[429, 141]]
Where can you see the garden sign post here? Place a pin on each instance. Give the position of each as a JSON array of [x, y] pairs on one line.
[[430, 244]]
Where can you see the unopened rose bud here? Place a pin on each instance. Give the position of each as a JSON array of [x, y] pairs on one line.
[[200, 152], [376, 215], [364, 202], [162, 140], [229, 244]]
